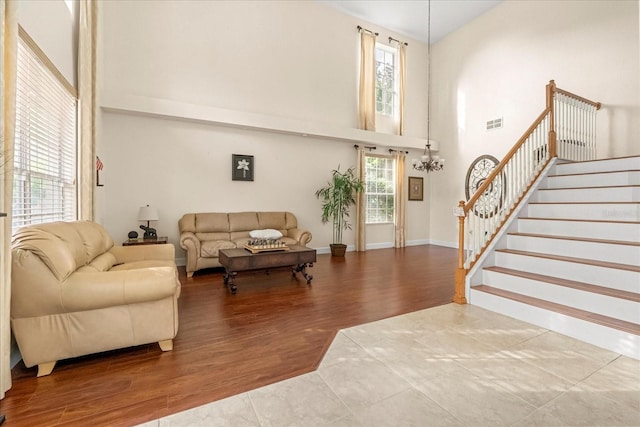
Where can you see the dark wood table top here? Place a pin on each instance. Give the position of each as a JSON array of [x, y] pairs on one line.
[[242, 252], [240, 259], [141, 241]]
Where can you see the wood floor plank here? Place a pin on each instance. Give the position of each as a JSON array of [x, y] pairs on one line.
[[274, 328]]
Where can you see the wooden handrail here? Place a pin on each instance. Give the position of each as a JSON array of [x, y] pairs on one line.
[[579, 98], [498, 169], [463, 208]]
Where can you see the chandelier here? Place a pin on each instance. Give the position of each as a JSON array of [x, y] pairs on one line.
[[428, 162]]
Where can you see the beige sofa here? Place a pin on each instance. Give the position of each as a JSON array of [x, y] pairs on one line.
[[74, 293], [202, 235]]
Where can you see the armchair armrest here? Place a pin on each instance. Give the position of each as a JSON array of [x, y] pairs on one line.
[[90, 291], [302, 236], [143, 252]]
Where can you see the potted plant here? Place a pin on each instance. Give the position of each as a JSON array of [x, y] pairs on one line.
[[337, 198]]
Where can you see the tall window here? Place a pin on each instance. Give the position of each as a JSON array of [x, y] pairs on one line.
[[380, 189], [386, 80], [44, 188]]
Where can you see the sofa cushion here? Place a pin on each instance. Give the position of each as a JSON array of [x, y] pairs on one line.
[[64, 247], [212, 236], [210, 248], [289, 241], [243, 221], [102, 262], [274, 220], [211, 222], [95, 239]]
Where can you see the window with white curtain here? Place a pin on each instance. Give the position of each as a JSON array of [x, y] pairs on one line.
[[387, 88], [386, 80], [380, 187], [45, 163]]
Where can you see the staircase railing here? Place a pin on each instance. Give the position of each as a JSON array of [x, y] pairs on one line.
[[565, 129]]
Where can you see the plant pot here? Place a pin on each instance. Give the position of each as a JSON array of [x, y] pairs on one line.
[[338, 249]]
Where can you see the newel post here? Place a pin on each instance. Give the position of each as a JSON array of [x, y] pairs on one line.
[[551, 89], [461, 274]]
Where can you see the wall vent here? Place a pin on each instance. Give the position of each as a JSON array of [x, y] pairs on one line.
[[494, 124]]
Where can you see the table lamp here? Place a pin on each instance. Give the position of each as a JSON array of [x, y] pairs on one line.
[[147, 213]]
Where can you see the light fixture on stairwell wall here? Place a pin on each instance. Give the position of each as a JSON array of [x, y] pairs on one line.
[[427, 162]]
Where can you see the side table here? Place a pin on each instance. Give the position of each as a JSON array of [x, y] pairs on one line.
[[141, 241]]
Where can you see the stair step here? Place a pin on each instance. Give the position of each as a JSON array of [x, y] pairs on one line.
[[589, 229], [578, 239], [610, 322], [618, 251], [594, 179], [601, 290], [616, 193], [614, 275], [613, 265], [605, 211], [601, 165], [615, 303]]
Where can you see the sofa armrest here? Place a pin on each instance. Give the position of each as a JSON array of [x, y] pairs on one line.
[[126, 254], [96, 290], [302, 236], [190, 243]]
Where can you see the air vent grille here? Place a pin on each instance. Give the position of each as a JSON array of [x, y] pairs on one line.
[[494, 124]]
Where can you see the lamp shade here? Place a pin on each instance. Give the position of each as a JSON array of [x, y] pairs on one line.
[[148, 213]]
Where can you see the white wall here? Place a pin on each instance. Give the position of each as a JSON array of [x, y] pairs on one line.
[[498, 66], [53, 27], [291, 59]]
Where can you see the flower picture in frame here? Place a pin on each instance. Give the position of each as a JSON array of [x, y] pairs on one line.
[[416, 188], [242, 167]]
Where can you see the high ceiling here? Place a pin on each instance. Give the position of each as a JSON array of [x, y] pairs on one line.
[[410, 18]]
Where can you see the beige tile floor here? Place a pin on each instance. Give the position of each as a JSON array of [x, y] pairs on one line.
[[454, 365]]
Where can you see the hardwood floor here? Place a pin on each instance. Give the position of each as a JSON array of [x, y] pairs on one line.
[[274, 328]]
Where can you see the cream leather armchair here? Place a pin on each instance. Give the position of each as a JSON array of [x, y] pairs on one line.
[[75, 293]]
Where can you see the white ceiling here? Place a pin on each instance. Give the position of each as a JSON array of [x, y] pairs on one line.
[[410, 18]]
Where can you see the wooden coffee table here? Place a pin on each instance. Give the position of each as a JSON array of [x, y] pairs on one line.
[[240, 259]]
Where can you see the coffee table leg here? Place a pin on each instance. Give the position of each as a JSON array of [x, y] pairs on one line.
[[228, 280], [302, 268]]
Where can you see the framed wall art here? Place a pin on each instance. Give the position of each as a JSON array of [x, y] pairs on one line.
[[416, 189], [242, 167]]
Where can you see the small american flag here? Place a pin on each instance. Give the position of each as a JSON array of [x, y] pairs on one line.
[[99, 164]]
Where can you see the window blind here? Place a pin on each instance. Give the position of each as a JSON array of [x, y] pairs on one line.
[[379, 189], [45, 163]]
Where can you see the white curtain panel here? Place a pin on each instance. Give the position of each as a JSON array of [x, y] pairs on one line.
[[8, 73], [361, 215], [400, 219], [402, 75], [87, 39], [367, 88]]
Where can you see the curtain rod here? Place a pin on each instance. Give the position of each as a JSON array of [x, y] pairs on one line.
[[364, 29], [398, 41], [366, 147], [391, 150]]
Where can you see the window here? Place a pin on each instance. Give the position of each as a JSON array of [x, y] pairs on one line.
[[44, 187], [386, 80], [380, 189]]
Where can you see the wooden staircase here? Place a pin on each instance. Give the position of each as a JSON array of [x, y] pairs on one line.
[[570, 262]]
